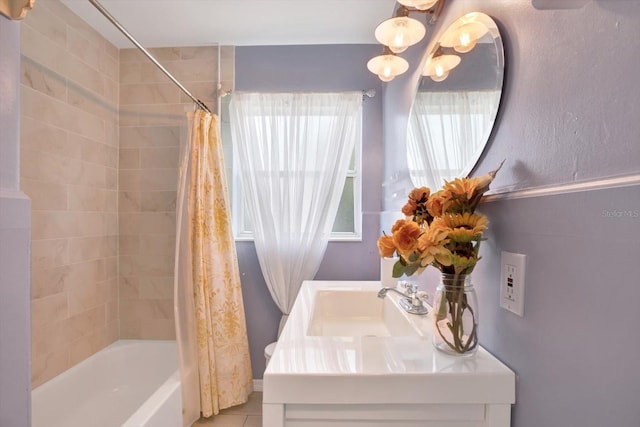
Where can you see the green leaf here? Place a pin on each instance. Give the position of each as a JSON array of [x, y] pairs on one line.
[[398, 270]]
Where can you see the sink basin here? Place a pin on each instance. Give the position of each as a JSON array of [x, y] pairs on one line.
[[358, 313]]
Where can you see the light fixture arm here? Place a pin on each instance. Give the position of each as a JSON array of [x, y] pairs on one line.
[[434, 11]]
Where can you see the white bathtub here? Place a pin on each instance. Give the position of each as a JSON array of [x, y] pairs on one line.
[[127, 384]]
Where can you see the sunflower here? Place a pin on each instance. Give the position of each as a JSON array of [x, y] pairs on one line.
[[462, 187], [464, 227]]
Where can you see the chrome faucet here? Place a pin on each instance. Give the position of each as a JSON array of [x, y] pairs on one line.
[[411, 301]]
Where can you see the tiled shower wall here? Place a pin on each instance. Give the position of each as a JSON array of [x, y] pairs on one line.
[[69, 160], [101, 173], [152, 127]]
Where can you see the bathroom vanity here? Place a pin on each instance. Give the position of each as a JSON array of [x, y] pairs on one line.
[[348, 358]]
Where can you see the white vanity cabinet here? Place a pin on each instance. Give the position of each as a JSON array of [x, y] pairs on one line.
[[384, 376]]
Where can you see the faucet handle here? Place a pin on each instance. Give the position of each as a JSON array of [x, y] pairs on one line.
[[411, 288]]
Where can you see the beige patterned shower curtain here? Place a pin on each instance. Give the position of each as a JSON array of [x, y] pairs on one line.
[[210, 322]]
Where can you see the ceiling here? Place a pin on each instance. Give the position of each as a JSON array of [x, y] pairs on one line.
[[158, 23]]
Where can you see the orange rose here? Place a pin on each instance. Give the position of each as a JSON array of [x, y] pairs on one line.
[[410, 208], [419, 194], [406, 238], [435, 203], [386, 247], [398, 225]]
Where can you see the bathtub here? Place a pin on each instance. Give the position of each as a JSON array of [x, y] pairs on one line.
[[130, 383]]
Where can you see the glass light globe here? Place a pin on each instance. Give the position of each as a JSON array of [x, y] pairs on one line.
[[419, 4], [438, 67], [388, 66], [399, 33]]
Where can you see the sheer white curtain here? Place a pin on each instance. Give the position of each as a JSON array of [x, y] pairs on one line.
[[445, 132], [293, 152]]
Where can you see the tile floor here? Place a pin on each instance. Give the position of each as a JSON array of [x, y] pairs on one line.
[[247, 415]]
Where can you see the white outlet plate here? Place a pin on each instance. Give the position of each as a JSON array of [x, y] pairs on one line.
[[512, 282]]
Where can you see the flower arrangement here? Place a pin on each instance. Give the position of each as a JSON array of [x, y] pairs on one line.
[[442, 229]]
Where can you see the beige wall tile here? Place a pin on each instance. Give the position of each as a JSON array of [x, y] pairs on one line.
[[164, 53], [157, 329], [42, 50], [69, 154], [199, 52], [43, 80], [112, 133], [48, 365], [111, 178], [159, 158], [158, 201], [158, 244], [84, 324], [104, 108], [159, 136], [41, 137], [129, 158], [149, 93], [87, 199], [84, 74], [129, 201], [155, 287], [129, 223], [52, 308], [51, 253], [90, 248], [129, 180], [45, 195], [129, 245], [49, 168], [130, 72], [131, 55], [47, 24], [48, 281], [157, 222], [79, 46], [113, 317], [158, 179], [111, 50], [128, 288]]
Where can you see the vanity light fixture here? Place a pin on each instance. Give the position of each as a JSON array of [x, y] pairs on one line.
[[400, 32], [418, 4], [388, 65], [464, 38], [439, 65]]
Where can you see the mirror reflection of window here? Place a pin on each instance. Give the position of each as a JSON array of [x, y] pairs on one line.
[[446, 131], [452, 116]]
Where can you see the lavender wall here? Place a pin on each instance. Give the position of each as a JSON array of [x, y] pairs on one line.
[[15, 226], [314, 68], [568, 115]]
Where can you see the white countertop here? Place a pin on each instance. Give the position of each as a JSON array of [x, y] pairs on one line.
[[373, 369]]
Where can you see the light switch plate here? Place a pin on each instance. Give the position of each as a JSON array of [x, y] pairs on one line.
[[512, 282]]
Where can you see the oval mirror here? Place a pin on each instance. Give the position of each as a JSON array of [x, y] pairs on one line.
[[456, 101]]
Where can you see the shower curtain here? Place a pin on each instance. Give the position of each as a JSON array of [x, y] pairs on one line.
[[210, 323]]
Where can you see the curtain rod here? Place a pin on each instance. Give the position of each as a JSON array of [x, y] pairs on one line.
[[369, 93], [115, 22]]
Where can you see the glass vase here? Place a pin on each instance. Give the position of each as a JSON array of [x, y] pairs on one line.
[[455, 316]]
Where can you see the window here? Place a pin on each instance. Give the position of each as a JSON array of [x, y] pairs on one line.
[[348, 222]]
